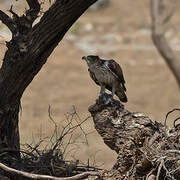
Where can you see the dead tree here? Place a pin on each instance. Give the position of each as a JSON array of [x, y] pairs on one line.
[[26, 53], [146, 149], [160, 19]]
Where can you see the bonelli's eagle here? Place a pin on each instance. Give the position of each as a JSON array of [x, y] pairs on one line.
[[107, 74]]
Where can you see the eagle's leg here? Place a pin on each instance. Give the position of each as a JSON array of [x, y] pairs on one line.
[[104, 98], [102, 91]]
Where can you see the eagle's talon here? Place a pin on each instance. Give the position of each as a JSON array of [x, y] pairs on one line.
[[104, 99], [108, 101]]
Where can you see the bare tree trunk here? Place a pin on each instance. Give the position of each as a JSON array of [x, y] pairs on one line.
[[160, 18], [9, 131], [28, 50]]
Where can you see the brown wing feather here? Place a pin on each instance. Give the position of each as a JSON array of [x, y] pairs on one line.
[[116, 69], [93, 77]]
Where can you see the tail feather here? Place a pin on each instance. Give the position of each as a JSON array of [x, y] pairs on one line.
[[121, 95]]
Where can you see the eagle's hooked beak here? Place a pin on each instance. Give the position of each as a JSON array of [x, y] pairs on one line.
[[84, 57]]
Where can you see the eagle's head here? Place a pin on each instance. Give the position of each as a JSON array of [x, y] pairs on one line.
[[91, 60]]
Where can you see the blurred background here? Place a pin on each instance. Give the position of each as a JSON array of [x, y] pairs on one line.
[[119, 30]]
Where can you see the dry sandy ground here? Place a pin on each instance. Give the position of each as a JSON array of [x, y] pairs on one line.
[[64, 80]]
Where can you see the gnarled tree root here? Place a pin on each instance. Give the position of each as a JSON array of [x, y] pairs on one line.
[[146, 149]]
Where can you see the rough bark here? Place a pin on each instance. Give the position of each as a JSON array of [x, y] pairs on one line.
[[27, 51], [145, 149], [160, 19]]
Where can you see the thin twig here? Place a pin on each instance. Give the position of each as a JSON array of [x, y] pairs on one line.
[[7, 21], [175, 126], [69, 131], [85, 135], [15, 16], [69, 141], [159, 169], [173, 151], [55, 125], [165, 121]]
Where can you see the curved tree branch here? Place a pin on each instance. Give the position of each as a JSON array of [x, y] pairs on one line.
[[46, 177], [160, 19], [32, 13], [7, 21]]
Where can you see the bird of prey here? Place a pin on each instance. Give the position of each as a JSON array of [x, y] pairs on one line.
[[107, 74]]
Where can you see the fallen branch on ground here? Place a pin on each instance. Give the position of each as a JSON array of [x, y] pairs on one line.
[[45, 177]]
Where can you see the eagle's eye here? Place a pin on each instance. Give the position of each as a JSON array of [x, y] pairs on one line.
[[92, 58]]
